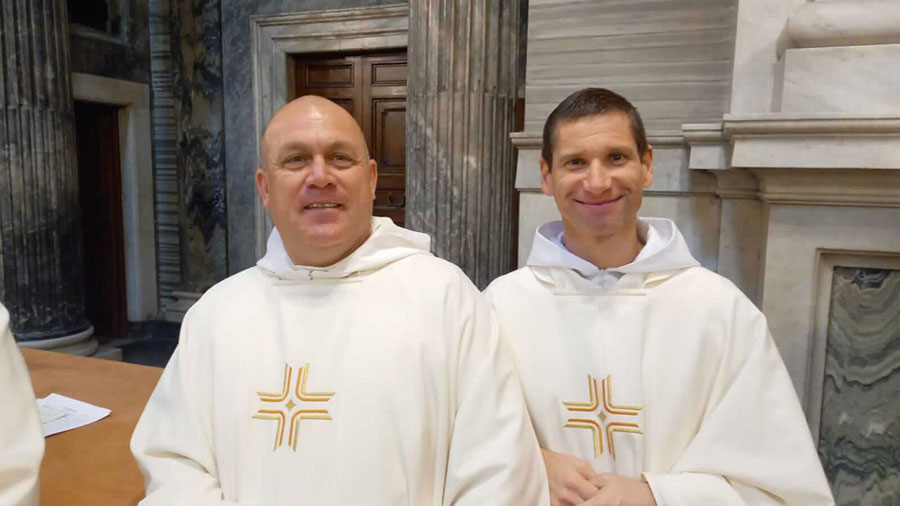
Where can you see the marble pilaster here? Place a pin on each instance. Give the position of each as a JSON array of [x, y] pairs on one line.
[[200, 149], [462, 89], [41, 279]]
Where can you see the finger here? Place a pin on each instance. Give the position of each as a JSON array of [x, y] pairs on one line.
[[597, 500], [583, 488], [603, 479], [585, 470]]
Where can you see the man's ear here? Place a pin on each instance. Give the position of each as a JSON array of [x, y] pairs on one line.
[[546, 180], [373, 175], [647, 166], [262, 186]]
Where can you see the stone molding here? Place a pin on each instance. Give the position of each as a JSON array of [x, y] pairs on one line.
[[825, 24], [137, 184], [825, 160], [275, 38]]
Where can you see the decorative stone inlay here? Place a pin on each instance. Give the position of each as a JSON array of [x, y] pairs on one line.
[[167, 184], [860, 424]]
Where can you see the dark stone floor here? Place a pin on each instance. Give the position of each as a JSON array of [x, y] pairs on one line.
[[149, 343]]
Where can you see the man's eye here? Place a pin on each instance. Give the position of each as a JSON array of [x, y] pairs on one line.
[[575, 162], [295, 159], [341, 159], [616, 157]]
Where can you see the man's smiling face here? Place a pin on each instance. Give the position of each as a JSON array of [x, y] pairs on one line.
[[597, 176], [318, 182]]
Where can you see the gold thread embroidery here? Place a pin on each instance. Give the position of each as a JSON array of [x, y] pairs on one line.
[[278, 416], [272, 397], [304, 414], [608, 408], [596, 430], [612, 408], [281, 414], [619, 427], [586, 406], [301, 392]]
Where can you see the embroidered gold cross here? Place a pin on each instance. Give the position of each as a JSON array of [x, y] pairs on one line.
[[283, 412], [586, 421]]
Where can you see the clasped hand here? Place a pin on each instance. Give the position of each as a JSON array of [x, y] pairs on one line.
[[574, 483]]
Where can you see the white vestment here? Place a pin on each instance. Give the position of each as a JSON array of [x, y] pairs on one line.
[[378, 380], [21, 439], [668, 372]]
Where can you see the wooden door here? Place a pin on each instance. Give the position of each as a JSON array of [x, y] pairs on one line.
[[100, 191], [372, 88]]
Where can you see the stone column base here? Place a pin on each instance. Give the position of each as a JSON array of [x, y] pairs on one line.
[[80, 343]]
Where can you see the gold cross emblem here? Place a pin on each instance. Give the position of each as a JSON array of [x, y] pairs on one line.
[[586, 420], [275, 408]]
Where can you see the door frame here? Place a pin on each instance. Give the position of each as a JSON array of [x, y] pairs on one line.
[[136, 166], [276, 38]]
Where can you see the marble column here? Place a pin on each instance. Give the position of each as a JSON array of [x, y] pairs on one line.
[[460, 176], [41, 277]]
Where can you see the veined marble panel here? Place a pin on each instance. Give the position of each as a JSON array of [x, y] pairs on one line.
[[859, 441]]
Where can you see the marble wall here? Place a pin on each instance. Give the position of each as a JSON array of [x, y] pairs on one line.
[[128, 61], [240, 157], [859, 440], [200, 151]]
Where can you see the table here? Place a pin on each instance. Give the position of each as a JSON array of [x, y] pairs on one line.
[[92, 465]]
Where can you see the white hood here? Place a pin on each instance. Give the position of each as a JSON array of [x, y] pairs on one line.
[[664, 250], [388, 243]]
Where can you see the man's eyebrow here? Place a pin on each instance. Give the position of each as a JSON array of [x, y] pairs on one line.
[[340, 145]]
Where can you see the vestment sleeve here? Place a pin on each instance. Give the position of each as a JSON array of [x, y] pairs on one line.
[[753, 445], [21, 439], [494, 455], [172, 442]]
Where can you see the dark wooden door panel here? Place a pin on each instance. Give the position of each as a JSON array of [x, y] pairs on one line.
[[100, 192], [372, 87], [338, 79]]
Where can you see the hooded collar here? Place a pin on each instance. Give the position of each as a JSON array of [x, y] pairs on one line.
[[664, 251], [387, 243]]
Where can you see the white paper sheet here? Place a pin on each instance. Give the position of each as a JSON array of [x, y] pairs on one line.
[[74, 414]]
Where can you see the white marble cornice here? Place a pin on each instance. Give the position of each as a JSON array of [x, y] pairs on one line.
[[813, 142], [845, 23]]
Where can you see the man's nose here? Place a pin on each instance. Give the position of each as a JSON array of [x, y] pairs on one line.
[[597, 180], [320, 175]]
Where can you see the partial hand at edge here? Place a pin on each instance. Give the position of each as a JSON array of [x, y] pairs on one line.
[[615, 490], [569, 478]]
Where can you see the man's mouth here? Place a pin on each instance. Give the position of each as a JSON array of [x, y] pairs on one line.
[[598, 202], [322, 205]]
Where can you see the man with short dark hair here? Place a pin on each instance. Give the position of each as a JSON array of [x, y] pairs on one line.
[[349, 367], [649, 379]]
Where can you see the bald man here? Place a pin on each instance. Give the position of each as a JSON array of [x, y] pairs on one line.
[[349, 366]]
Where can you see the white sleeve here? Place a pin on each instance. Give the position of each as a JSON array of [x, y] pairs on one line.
[[494, 455], [753, 445], [21, 438], [172, 442]]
